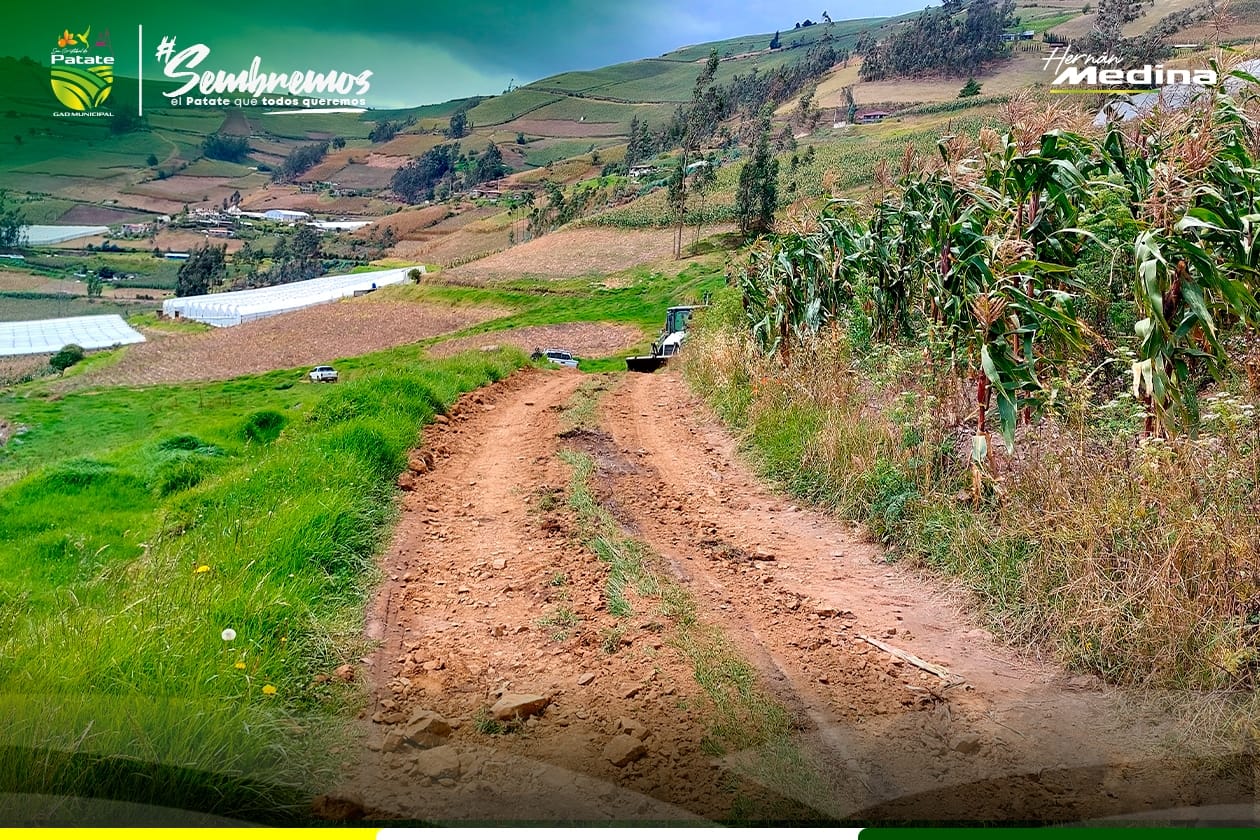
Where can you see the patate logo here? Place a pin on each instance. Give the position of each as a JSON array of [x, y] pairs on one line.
[[82, 70]]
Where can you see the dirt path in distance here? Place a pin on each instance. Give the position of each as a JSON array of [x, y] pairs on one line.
[[491, 591]]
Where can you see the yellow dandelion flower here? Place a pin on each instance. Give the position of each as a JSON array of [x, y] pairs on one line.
[[269, 689], [240, 666], [201, 570]]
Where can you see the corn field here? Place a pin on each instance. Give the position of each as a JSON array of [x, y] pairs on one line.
[[975, 252]]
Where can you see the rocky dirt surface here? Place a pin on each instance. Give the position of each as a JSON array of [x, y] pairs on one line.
[[586, 340], [312, 336], [504, 690]]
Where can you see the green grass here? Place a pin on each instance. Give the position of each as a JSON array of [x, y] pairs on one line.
[[642, 296], [1048, 21], [588, 80], [44, 210], [95, 361], [152, 321], [310, 126], [137, 524], [509, 106]]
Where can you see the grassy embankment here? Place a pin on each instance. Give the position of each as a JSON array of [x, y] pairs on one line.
[[638, 296], [1133, 562], [138, 525]]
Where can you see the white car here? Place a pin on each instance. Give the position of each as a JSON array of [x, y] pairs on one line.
[[557, 356], [323, 373]]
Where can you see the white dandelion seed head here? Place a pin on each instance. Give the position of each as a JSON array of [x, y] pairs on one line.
[[228, 634]]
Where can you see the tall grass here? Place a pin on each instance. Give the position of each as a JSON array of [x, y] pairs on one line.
[[1136, 565], [120, 573]]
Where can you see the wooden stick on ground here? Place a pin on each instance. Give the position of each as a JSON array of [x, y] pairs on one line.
[[937, 670]]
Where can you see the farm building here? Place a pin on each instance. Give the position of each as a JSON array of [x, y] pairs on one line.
[[868, 117], [289, 216]]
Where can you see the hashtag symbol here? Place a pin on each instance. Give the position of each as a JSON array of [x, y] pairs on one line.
[[166, 48]]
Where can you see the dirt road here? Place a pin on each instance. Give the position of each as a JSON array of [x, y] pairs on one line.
[[497, 596]]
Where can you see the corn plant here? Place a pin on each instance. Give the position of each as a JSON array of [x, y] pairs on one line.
[[981, 247], [1194, 184]]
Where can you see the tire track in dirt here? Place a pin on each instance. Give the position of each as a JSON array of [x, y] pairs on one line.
[[1008, 738], [486, 559], [482, 558]]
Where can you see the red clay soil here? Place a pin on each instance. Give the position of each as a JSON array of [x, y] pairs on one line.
[[902, 708], [307, 337]]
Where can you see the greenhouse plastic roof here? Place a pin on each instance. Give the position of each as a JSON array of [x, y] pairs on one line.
[[52, 234], [228, 309], [91, 332]]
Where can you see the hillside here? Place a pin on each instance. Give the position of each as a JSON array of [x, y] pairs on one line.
[[570, 129]]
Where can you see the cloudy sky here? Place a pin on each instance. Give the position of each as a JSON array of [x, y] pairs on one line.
[[420, 52]]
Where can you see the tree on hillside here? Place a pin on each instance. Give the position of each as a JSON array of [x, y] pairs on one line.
[[698, 124], [703, 181], [807, 111], [299, 160], [419, 179], [459, 125], [972, 88], [775, 42], [11, 222], [942, 39], [639, 147], [757, 194], [203, 268], [225, 147], [489, 165], [383, 131], [304, 243], [66, 357]]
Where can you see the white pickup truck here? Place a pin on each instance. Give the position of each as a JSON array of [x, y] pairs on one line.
[[323, 373]]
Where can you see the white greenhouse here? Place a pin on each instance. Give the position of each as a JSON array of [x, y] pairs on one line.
[[35, 235], [91, 332], [227, 309]]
